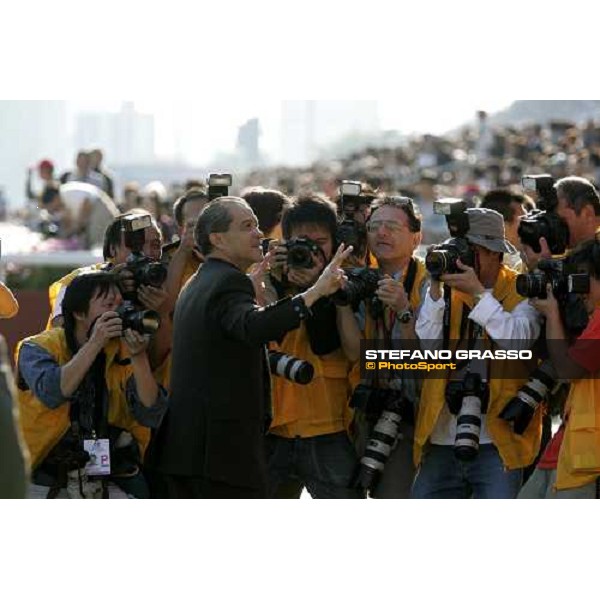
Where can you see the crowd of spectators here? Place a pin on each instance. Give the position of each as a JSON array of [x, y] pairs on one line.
[[466, 163]]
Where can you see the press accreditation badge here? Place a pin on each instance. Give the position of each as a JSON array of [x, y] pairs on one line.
[[99, 451]]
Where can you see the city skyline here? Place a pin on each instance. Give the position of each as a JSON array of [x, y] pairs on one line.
[[193, 133]]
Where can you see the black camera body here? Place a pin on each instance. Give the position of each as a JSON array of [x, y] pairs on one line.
[[540, 223], [300, 253], [442, 258], [361, 285], [385, 409], [142, 321], [455, 211], [349, 231], [146, 271], [218, 185], [567, 287], [373, 401], [543, 186], [556, 272], [471, 385], [543, 221]]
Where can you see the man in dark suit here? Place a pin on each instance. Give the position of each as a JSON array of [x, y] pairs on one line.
[[211, 444]]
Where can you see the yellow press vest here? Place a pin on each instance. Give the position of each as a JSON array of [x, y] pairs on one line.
[[319, 408], [516, 450], [414, 300], [9, 306], [44, 427], [579, 455], [191, 264]]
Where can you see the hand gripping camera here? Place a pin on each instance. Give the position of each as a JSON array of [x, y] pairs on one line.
[[145, 271], [349, 231], [442, 258], [468, 400], [567, 287], [543, 221]]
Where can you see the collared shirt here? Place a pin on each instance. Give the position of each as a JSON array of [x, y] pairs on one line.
[[523, 323]]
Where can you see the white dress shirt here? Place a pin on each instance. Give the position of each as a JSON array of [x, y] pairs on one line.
[[522, 325]]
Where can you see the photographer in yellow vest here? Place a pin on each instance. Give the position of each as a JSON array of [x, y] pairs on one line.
[[308, 445], [463, 448], [87, 395], [570, 465]]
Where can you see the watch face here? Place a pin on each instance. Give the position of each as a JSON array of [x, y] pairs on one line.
[[406, 316]]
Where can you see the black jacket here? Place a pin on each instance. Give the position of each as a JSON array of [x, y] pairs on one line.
[[220, 400]]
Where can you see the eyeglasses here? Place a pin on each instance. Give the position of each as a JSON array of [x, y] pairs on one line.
[[392, 226]]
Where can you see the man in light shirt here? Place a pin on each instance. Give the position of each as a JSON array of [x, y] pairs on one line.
[[484, 306]]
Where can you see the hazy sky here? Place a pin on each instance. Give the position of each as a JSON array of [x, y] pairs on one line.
[[195, 129]]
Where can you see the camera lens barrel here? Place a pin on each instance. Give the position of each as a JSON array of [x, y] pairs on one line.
[[379, 447], [290, 367], [468, 429]]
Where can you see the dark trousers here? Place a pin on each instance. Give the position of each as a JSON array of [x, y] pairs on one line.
[[178, 487], [324, 464]]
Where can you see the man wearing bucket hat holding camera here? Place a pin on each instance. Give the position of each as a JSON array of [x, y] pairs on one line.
[[462, 447]]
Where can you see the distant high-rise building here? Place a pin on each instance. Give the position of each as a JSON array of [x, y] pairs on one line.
[[247, 143], [29, 131], [126, 137], [309, 125]]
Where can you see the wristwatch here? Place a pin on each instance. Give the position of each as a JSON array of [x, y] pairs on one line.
[[405, 316]]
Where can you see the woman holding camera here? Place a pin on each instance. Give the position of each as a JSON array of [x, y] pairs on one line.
[[87, 400]]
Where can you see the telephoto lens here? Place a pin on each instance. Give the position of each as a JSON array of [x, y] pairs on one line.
[[379, 447], [290, 367], [468, 428], [520, 410]]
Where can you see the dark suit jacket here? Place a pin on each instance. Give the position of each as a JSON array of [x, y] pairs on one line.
[[220, 389]]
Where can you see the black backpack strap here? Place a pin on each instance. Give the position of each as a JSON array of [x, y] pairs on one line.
[[411, 275]]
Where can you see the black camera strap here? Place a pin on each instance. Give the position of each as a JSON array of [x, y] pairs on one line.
[[411, 274], [447, 317], [88, 411]]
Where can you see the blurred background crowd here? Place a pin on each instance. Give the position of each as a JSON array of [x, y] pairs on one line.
[[71, 205]]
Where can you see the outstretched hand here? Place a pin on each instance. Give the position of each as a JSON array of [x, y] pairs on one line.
[[333, 277]]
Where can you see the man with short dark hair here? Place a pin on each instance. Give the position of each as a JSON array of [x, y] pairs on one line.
[[183, 255], [308, 443], [115, 252], [211, 443], [268, 205]]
